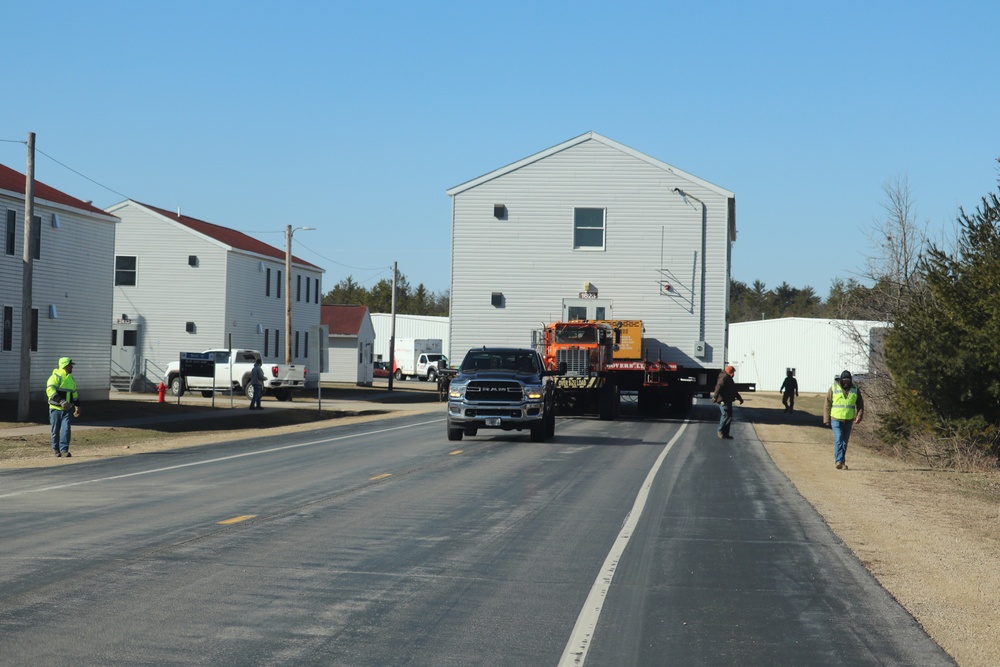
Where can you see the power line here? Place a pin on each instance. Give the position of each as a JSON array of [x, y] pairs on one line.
[[82, 175]]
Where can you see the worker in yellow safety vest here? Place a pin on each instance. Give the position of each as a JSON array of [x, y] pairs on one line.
[[64, 405], [843, 408]]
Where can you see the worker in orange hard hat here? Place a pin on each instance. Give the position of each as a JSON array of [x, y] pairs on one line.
[[725, 393]]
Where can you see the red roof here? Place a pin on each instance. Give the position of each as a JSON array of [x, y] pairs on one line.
[[343, 320], [14, 181], [230, 237]]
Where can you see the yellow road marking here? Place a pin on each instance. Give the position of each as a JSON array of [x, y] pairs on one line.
[[382, 476], [457, 451], [236, 519]]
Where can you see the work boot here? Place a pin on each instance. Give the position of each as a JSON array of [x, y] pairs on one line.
[[58, 454]]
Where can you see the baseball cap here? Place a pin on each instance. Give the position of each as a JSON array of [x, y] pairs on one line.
[[64, 362]]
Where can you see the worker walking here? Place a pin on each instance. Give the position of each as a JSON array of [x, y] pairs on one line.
[[725, 393], [842, 409], [789, 390], [257, 384], [64, 405]]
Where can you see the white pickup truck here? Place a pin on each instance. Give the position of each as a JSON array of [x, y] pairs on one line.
[[280, 380]]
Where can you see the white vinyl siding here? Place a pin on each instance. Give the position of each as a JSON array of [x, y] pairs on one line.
[[653, 235]]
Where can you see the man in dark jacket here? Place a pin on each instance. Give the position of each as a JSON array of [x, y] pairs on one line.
[[789, 390], [725, 393]]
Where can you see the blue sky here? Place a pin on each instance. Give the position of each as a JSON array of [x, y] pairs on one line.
[[354, 118]]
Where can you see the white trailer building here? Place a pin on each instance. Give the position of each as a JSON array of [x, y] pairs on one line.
[[816, 349]]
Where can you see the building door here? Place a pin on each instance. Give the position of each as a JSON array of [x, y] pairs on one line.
[[586, 309], [124, 349]]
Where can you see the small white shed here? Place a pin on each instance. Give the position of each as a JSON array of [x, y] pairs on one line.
[[409, 326], [817, 349], [350, 347]]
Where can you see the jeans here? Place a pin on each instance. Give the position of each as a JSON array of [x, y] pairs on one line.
[[59, 421], [841, 434], [258, 393], [725, 418]]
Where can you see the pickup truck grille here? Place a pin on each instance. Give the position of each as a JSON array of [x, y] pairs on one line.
[[494, 392], [577, 361]]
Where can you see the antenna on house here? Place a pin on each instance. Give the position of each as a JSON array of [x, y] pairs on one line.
[[178, 211]]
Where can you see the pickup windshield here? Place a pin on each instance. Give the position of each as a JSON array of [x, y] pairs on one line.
[[519, 362]]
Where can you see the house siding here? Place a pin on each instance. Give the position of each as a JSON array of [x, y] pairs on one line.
[[225, 293], [74, 274], [652, 235]]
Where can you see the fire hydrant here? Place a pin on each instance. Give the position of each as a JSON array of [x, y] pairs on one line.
[[161, 392]]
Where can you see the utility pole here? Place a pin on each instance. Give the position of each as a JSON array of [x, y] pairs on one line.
[[23, 392], [288, 294], [392, 331]]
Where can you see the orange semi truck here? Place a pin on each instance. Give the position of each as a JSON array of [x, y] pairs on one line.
[[605, 360]]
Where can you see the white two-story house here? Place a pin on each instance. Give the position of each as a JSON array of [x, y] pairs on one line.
[[71, 293], [186, 285], [592, 229]]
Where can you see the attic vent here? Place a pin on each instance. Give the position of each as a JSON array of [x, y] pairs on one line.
[[496, 299], [499, 211], [55, 220], [192, 260], [189, 327]]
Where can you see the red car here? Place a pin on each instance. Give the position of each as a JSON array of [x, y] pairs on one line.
[[381, 369]]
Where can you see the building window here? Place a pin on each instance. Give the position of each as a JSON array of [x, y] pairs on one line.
[[305, 338], [267, 285], [307, 289], [316, 291], [298, 288], [277, 284], [267, 340], [11, 230], [277, 345], [8, 328], [296, 343], [588, 228], [34, 330], [36, 237], [125, 271]]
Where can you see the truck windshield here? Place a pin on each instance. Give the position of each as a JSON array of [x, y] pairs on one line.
[[519, 362], [571, 334]]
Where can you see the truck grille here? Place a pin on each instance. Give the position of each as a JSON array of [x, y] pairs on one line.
[[577, 361], [494, 392]]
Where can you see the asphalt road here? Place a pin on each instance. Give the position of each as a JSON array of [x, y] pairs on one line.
[[619, 543]]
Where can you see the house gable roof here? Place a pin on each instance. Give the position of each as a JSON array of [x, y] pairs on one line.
[[224, 235], [343, 320], [588, 136], [14, 181]]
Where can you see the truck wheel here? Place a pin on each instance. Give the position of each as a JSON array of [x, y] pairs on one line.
[[538, 432], [248, 391], [455, 433], [283, 395], [207, 394], [432, 375], [550, 423], [176, 385], [399, 375]]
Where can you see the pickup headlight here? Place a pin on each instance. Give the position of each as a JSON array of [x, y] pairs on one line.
[[533, 392], [457, 391]]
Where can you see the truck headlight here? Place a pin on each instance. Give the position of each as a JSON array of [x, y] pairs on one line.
[[533, 393], [457, 391]]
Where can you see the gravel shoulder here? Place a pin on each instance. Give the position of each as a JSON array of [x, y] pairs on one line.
[[931, 538]]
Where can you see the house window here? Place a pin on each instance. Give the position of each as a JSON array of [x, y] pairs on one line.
[[267, 286], [588, 228], [277, 285], [277, 346], [34, 330], [8, 328], [316, 291], [36, 237], [298, 288], [296, 343], [306, 341], [307, 289], [11, 230], [267, 339], [125, 271]]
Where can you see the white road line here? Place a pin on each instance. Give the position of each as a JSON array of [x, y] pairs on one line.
[[579, 642], [221, 458]]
